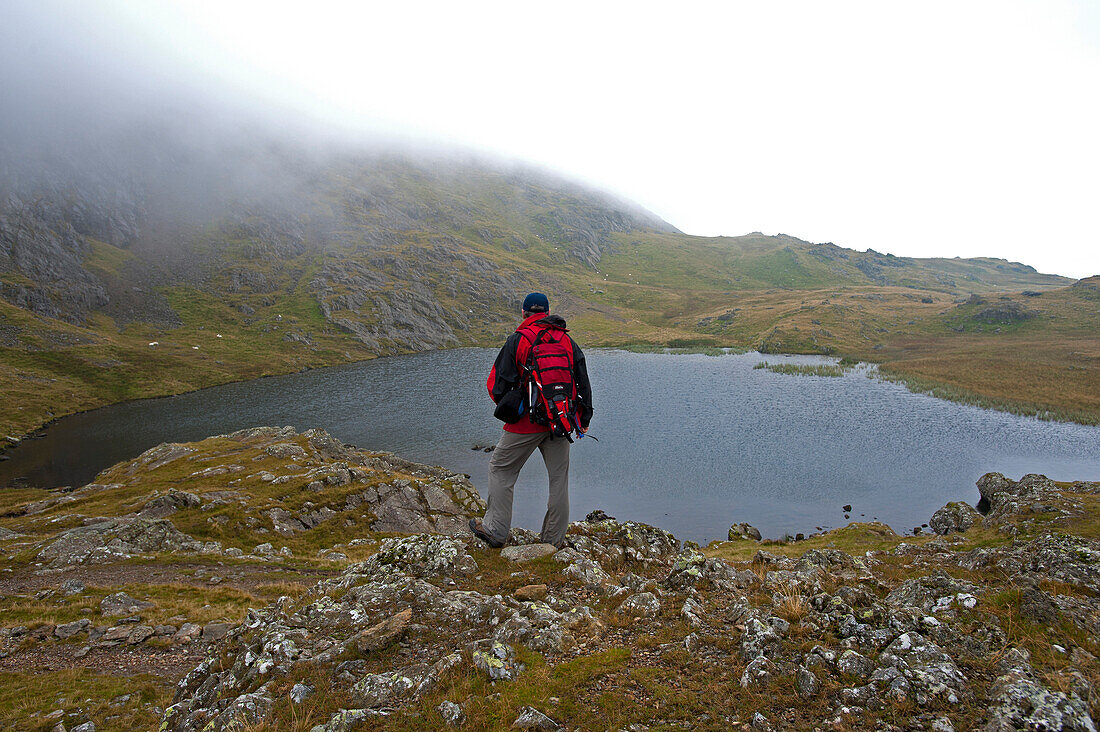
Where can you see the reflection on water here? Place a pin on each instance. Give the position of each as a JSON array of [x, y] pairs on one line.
[[688, 442]]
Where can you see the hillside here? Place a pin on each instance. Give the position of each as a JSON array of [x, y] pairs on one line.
[[279, 580], [246, 256]]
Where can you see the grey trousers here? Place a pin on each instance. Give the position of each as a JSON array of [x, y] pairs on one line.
[[511, 452]]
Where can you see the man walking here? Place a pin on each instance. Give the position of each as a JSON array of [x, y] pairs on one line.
[[514, 370]]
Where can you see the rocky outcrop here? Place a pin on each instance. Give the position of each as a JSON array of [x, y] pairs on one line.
[[113, 539], [954, 517]]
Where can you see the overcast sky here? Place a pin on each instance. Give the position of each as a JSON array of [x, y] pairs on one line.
[[917, 128]]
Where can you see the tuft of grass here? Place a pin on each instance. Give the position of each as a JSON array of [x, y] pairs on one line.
[[800, 369]]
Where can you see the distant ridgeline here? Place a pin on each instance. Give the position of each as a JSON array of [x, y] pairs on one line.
[[240, 256]]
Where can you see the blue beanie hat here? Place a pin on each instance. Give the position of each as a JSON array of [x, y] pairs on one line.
[[536, 302]]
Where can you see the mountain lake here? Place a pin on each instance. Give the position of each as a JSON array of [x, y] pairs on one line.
[[688, 442]]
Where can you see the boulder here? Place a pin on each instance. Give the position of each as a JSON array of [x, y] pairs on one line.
[[382, 634], [452, 713], [527, 552], [497, 661], [914, 666], [68, 630], [122, 604], [115, 539], [641, 605], [1022, 702], [166, 505], [1001, 497], [531, 593], [954, 517], [531, 718], [743, 531]]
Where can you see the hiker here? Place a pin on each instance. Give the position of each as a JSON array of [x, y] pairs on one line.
[[540, 384]]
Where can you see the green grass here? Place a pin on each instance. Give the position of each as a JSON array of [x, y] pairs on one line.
[[800, 369], [92, 694]]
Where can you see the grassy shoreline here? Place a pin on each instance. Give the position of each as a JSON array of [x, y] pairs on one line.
[[887, 372]]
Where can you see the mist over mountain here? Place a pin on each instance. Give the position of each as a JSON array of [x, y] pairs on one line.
[[145, 209]]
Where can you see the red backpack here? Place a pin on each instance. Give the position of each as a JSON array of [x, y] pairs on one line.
[[548, 370]]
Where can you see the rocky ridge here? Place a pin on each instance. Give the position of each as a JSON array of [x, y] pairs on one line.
[[915, 637], [274, 575]]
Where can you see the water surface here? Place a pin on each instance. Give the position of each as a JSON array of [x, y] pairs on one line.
[[691, 443]]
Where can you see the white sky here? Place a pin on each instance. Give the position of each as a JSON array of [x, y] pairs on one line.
[[919, 128]]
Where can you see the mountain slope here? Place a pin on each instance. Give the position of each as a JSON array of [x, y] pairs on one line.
[[240, 256]]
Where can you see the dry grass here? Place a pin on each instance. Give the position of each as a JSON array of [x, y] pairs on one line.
[[792, 605]]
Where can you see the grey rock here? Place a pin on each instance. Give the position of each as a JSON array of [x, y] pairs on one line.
[[300, 692], [214, 631], [527, 552], [641, 605], [954, 517], [742, 531], [166, 505], [120, 603], [851, 662], [114, 636], [1021, 702], [912, 664], [531, 718], [592, 576], [139, 634], [388, 689], [452, 713], [115, 539], [187, 633], [497, 661], [68, 630], [758, 671], [86, 727], [71, 587], [806, 684], [346, 720], [423, 555], [926, 592]]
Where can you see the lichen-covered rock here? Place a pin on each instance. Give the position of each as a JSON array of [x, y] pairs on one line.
[[854, 663], [497, 661], [741, 531], [954, 517], [641, 605], [166, 505], [452, 713], [120, 603], [758, 671], [630, 540], [420, 556], [590, 574], [346, 720], [1021, 702], [926, 593], [115, 539], [389, 689], [1001, 497], [531, 718], [912, 666], [806, 683]]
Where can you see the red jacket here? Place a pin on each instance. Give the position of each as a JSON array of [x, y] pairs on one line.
[[507, 372]]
